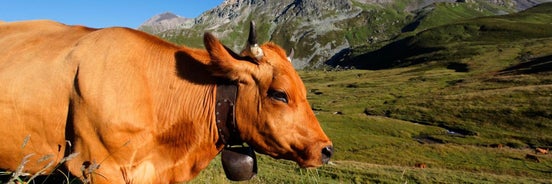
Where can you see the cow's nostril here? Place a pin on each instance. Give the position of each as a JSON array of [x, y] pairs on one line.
[[327, 153]]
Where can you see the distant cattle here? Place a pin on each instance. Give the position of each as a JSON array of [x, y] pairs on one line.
[[531, 157], [420, 165], [132, 108], [499, 146], [541, 151]]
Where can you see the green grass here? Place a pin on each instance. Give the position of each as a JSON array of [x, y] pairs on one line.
[[445, 13]]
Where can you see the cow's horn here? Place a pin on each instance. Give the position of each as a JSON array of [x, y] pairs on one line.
[[290, 56], [252, 40], [254, 48]]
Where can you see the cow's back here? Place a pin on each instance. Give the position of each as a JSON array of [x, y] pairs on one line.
[[36, 80]]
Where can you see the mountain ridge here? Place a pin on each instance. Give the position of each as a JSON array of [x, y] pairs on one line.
[[164, 22], [327, 32]]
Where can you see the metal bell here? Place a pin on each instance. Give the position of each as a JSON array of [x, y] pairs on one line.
[[239, 163]]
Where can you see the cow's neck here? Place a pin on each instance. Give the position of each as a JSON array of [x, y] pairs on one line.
[[186, 130]]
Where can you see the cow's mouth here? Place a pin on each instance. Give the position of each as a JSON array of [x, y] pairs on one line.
[[325, 155], [305, 158]]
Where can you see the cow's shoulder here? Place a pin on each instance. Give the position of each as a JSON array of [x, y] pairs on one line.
[[32, 25], [40, 33]]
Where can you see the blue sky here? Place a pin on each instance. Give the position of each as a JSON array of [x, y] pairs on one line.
[[101, 13]]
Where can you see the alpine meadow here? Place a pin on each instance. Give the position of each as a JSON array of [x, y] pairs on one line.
[[408, 91], [457, 96]]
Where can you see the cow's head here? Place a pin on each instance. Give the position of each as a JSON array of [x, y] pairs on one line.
[[272, 112]]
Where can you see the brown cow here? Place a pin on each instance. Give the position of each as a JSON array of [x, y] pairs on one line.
[[420, 165], [541, 151], [534, 158], [137, 109]]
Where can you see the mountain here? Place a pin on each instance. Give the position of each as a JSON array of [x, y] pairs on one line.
[[514, 37], [166, 21], [330, 32]]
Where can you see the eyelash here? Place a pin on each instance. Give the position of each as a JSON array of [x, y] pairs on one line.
[[278, 95]]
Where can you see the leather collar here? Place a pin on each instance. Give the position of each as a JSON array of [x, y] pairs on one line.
[[238, 160], [225, 113]]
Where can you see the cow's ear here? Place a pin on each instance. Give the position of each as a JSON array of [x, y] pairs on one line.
[[225, 62]]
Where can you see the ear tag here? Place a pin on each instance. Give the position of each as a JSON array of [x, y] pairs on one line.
[[239, 163], [256, 51]]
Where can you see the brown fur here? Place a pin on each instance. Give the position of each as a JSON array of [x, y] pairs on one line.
[[138, 106], [541, 151]]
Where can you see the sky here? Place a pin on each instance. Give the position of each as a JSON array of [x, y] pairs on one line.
[[101, 13]]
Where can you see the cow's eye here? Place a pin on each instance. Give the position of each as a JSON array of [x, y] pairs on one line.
[[278, 95]]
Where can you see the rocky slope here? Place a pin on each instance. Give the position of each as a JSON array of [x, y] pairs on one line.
[[166, 21], [326, 32]]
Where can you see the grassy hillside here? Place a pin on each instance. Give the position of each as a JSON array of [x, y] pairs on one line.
[[439, 14], [463, 39]]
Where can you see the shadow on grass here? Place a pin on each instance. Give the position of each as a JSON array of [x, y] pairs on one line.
[[535, 65]]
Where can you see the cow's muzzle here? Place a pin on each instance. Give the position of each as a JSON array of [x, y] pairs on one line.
[[327, 153]]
